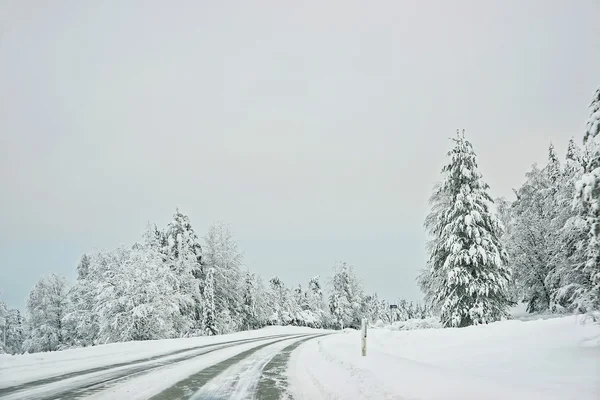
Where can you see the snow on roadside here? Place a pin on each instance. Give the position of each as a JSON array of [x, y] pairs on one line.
[[19, 369], [518, 312], [413, 324], [556, 358]]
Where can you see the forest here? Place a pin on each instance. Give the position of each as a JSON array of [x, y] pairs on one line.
[[541, 248]]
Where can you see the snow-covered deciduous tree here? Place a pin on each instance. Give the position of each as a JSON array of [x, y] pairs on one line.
[[375, 311], [316, 302], [80, 321], [138, 298], [506, 215], [46, 307], [3, 326], [401, 312], [468, 271], [301, 315], [346, 298], [15, 331], [572, 229], [534, 239], [222, 254]]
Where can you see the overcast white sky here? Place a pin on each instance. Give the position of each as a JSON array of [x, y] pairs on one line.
[[316, 129]]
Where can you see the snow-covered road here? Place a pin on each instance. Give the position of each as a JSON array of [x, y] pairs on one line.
[[228, 368]]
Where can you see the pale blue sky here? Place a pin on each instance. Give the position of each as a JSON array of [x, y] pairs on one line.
[[315, 129]]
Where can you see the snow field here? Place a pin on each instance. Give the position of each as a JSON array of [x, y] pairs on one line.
[[545, 359]]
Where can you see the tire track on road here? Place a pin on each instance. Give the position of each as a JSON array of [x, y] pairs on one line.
[[273, 384], [191, 387], [37, 389]]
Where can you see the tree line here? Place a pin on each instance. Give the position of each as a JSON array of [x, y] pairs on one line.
[[171, 285]]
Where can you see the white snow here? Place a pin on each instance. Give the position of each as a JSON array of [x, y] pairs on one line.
[[248, 372], [15, 370], [556, 358], [414, 323]]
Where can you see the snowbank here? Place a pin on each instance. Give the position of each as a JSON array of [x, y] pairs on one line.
[[518, 312], [556, 358], [412, 324]]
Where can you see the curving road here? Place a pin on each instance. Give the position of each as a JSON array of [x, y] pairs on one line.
[[240, 369]]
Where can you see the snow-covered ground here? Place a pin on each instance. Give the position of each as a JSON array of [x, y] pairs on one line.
[[557, 358], [544, 359]]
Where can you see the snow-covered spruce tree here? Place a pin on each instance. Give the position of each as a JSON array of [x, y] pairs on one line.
[[46, 306], [180, 230], [553, 169], [222, 254], [588, 196], [572, 172], [346, 298], [184, 257], [259, 296], [278, 301], [249, 319], [209, 322], [467, 262]]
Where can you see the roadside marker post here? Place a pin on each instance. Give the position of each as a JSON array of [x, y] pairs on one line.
[[392, 307], [363, 335]]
